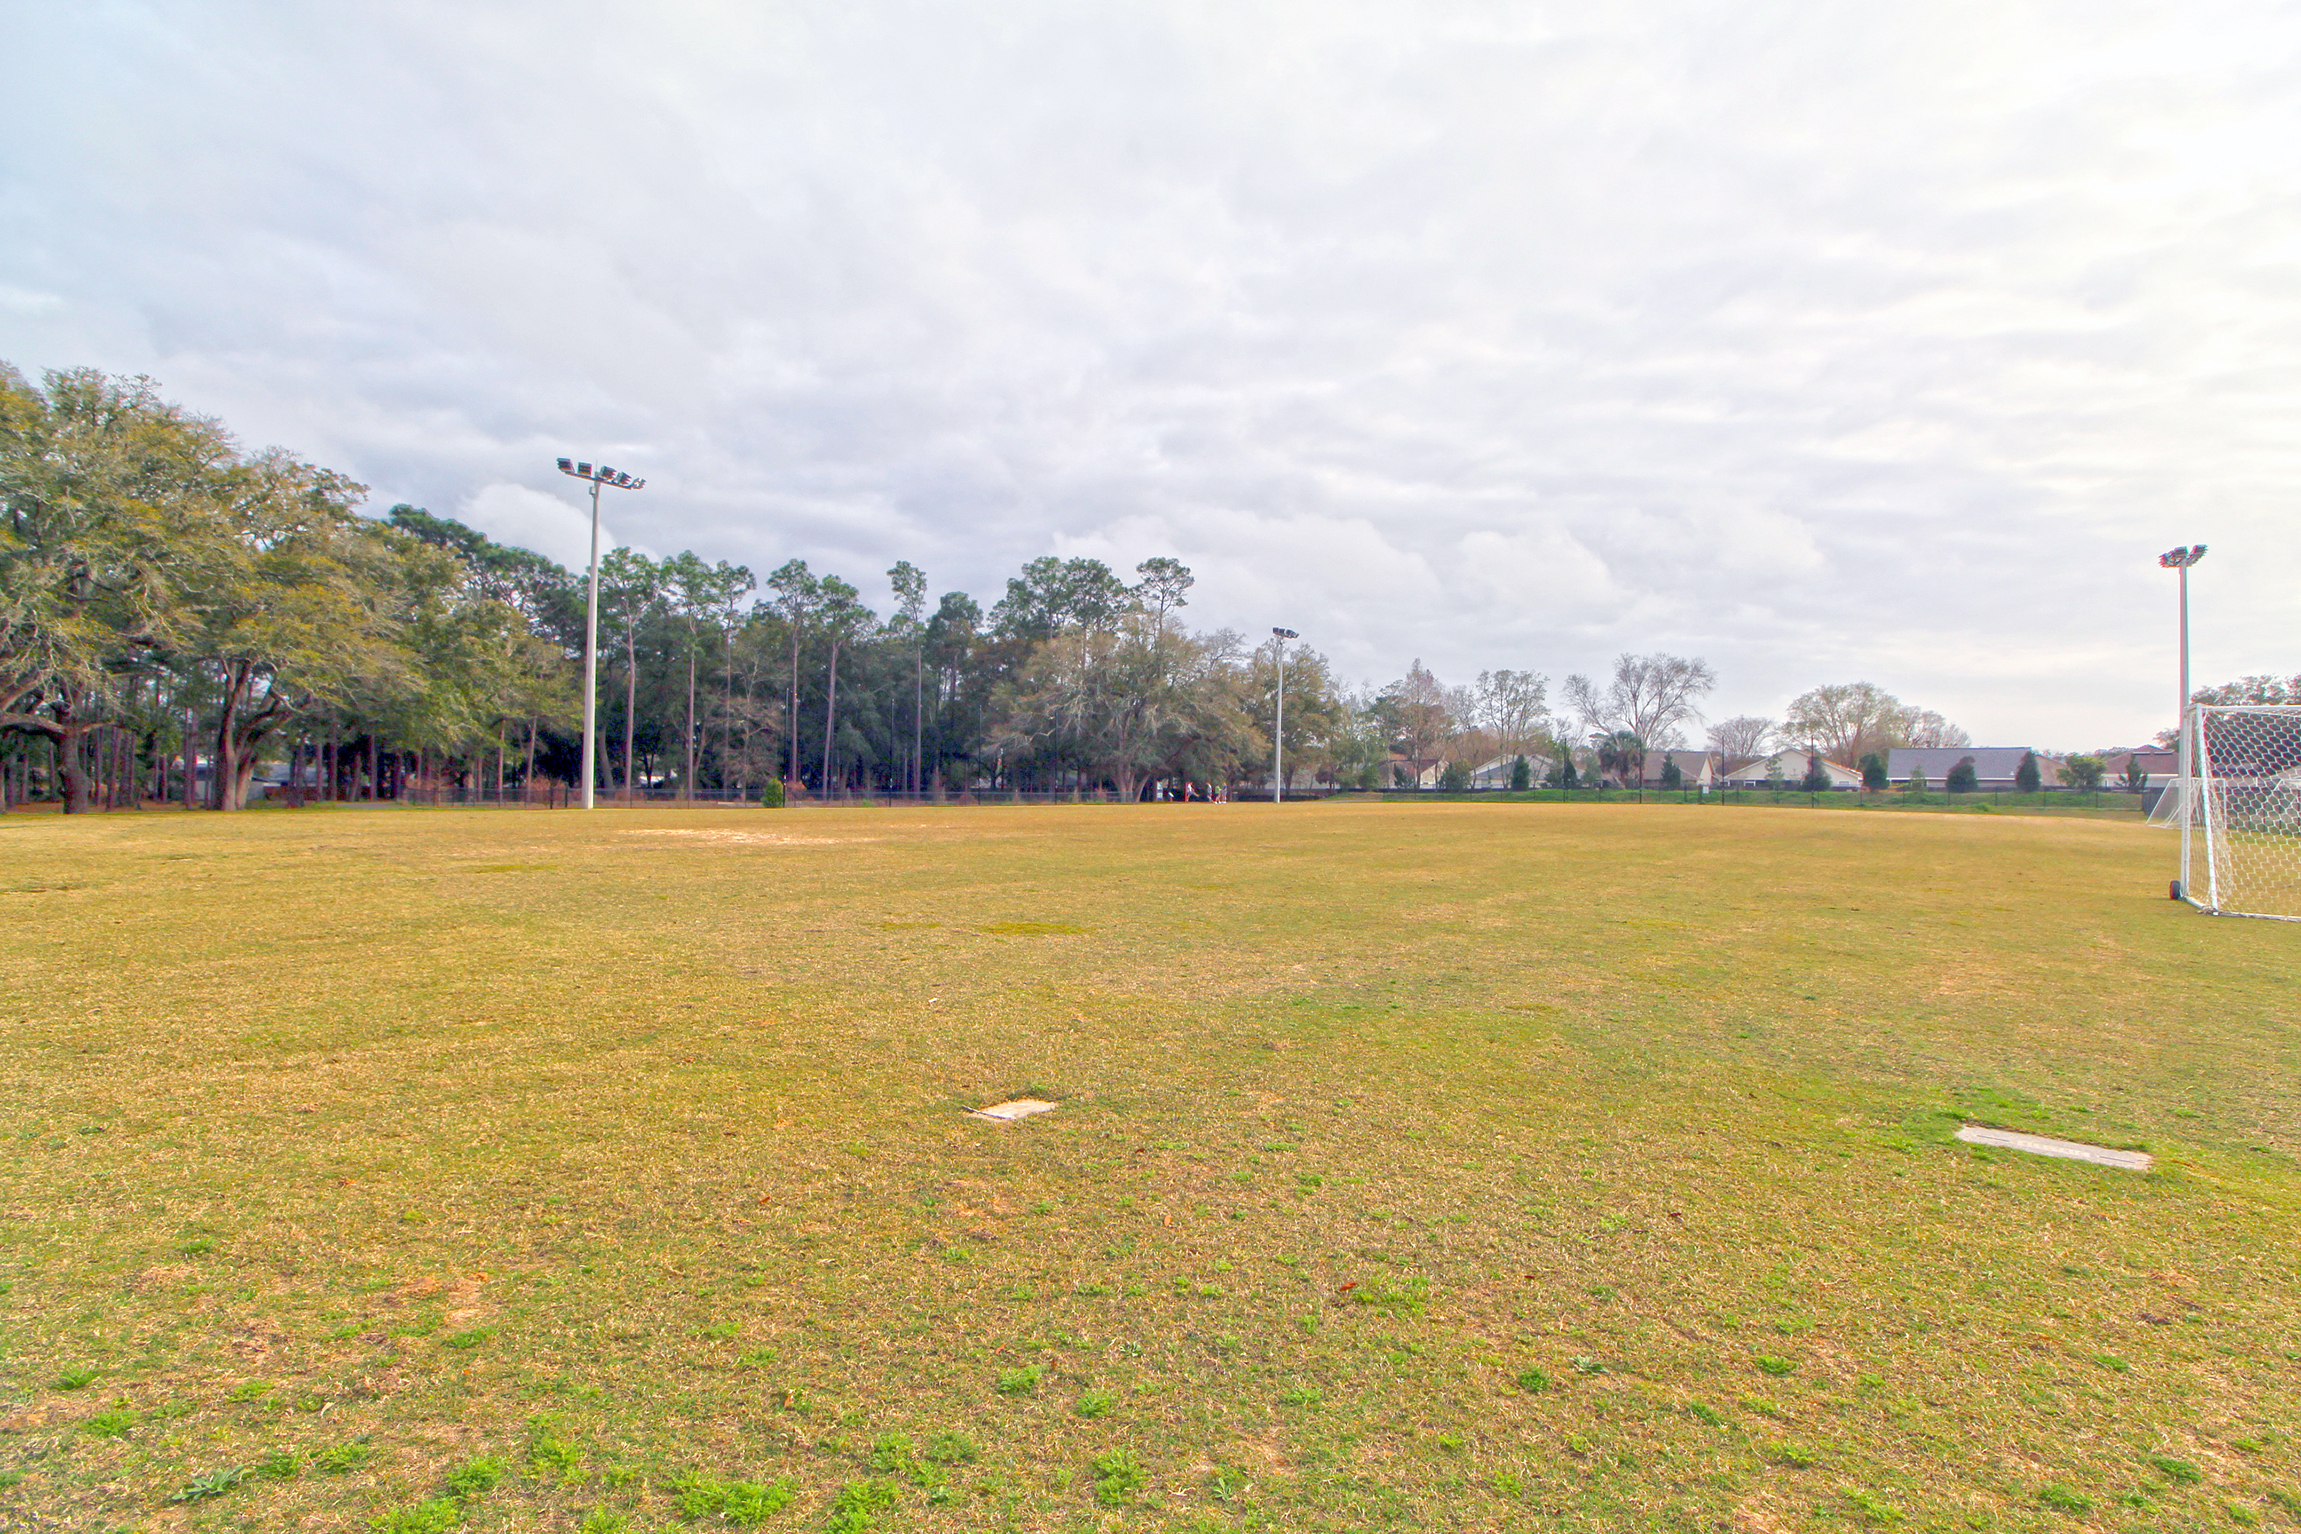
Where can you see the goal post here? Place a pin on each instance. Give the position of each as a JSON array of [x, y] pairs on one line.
[[2239, 810]]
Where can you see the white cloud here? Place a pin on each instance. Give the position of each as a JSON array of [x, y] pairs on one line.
[[529, 519], [1825, 342]]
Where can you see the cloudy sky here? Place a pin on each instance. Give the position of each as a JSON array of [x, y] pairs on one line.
[[1825, 341]]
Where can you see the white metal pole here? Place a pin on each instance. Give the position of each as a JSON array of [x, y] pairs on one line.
[[2185, 750], [1278, 736], [591, 657]]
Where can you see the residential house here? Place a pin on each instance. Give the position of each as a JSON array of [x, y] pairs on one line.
[[1788, 766], [1496, 773], [1696, 769], [2158, 765], [1993, 766]]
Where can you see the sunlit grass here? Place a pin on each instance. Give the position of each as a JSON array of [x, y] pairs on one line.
[[1512, 1166]]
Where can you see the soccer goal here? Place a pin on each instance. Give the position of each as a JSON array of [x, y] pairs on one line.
[[2241, 807]]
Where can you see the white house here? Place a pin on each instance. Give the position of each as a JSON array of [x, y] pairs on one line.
[[1787, 766]]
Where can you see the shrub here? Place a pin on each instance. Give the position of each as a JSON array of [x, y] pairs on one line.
[[1672, 775], [1816, 780], [1917, 780], [771, 795], [2025, 777], [1962, 778], [1873, 771], [1455, 779], [1521, 775], [2081, 772]]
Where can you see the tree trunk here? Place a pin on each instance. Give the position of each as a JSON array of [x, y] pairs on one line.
[[791, 719], [630, 702], [527, 773], [830, 717], [918, 710], [687, 782]]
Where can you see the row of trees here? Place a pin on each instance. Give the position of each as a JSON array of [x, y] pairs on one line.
[[175, 610]]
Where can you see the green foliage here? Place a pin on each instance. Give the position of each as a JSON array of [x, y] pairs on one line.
[[1118, 1476], [1873, 767], [1817, 779], [1302, 1395], [771, 794], [2026, 776], [468, 1340], [2083, 772], [742, 1503], [75, 1378], [1673, 776], [1411, 1298], [602, 1520], [2179, 1471], [1094, 1403], [214, 1484], [952, 1448], [1962, 779], [1020, 1382], [858, 1504], [2135, 778], [434, 1517], [1454, 778], [2062, 1500], [279, 1465], [1533, 1381], [343, 1458], [1770, 1364], [112, 1422], [475, 1477], [1916, 783], [1521, 775]]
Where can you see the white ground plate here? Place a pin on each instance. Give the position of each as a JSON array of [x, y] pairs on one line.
[[2045, 1145], [1007, 1113]]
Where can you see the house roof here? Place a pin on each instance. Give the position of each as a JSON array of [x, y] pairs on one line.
[[1690, 763], [1988, 761]]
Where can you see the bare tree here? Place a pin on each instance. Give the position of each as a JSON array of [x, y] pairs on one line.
[[1924, 727], [1743, 735], [1510, 706], [1649, 697], [1845, 721]]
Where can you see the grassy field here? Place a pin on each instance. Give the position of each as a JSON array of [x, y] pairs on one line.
[[1430, 1166]]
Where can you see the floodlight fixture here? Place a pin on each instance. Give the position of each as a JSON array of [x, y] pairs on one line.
[[602, 476], [1278, 733]]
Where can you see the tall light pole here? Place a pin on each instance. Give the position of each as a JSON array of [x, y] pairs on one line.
[[603, 475], [2185, 744], [1278, 735]]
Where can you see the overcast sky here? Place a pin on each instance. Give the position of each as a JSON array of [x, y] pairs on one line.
[[1826, 341]]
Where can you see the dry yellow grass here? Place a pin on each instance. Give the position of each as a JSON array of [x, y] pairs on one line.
[[350, 1148]]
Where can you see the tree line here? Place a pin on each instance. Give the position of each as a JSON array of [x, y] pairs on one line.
[[176, 611]]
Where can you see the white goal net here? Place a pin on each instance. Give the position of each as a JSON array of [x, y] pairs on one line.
[[2239, 811]]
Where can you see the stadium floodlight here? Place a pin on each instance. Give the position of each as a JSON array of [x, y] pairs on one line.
[[2181, 557], [604, 476], [1278, 735]]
